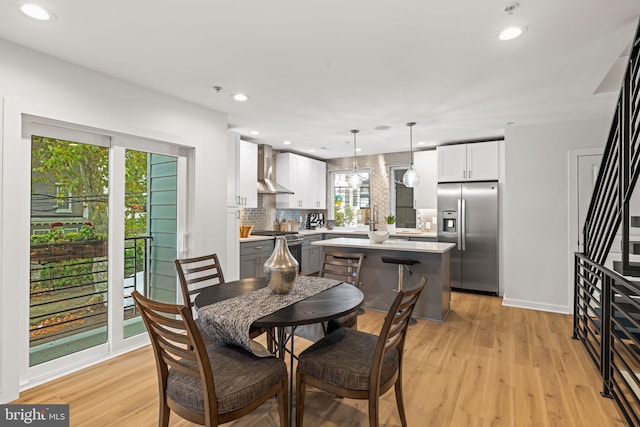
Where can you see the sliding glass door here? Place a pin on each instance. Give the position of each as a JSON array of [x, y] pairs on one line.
[[104, 223], [69, 241], [150, 226]]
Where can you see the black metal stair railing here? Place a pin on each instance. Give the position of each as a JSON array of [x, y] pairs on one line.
[[610, 334], [618, 174], [606, 316]]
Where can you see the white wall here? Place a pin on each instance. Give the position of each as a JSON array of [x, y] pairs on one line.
[[536, 210], [41, 85]]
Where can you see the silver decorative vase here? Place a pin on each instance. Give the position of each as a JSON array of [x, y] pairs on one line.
[[281, 268]]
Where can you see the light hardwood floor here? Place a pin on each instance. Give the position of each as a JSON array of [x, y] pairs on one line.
[[486, 365]]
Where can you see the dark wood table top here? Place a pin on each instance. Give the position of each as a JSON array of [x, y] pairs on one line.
[[329, 304]]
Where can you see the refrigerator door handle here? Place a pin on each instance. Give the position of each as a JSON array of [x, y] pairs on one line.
[[459, 224], [463, 225]]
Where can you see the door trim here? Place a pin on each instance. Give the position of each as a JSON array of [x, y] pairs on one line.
[[572, 220]]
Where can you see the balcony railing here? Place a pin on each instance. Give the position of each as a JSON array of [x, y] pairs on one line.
[[69, 287]]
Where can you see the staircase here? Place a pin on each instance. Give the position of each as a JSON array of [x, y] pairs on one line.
[[606, 315], [629, 247]]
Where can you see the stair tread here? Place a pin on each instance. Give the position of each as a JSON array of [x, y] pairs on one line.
[[633, 270], [632, 264]]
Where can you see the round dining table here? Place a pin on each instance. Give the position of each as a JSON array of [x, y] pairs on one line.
[[332, 303]]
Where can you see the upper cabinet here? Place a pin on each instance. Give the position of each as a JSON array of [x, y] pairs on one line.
[[426, 192], [242, 173], [468, 162], [305, 177], [318, 190]]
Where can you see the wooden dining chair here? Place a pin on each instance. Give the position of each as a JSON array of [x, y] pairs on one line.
[[338, 266], [199, 273], [208, 385], [196, 274], [345, 267], [359, 365]]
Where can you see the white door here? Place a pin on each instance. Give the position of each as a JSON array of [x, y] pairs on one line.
[[588, 166]]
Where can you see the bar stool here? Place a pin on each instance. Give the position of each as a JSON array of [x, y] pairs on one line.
[[402, 264]]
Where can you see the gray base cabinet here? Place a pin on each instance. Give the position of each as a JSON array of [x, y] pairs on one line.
[[311, 255], [252, 257], [422, 239]]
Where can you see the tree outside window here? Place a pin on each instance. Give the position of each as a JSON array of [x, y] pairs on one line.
[[350, 207]]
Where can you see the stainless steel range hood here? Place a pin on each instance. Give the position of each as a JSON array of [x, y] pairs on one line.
[[266, 184]]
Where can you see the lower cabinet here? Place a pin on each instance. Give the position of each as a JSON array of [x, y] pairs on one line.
[[253, 256], [422, 239], [311, 255]]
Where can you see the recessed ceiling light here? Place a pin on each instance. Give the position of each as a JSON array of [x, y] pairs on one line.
[[422, 143], [240, 97], [382, 127], [36, 12], [286, 142], [511, 33], [254, 132], [358, 149], [312, 150]]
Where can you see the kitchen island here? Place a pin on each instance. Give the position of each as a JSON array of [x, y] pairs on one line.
[[380, 280]]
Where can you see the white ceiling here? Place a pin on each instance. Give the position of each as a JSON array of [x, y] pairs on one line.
[[315, 69]]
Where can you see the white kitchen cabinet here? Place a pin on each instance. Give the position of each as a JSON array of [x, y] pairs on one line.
[[305, 177], [318, 185], [232, 261], [468, 162], [426, 192], [242, 173], [482, 161]]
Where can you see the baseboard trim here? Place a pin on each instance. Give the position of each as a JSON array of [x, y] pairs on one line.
[[553, 308]]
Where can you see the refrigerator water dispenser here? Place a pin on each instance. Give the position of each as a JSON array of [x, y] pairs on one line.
[[449, 220]]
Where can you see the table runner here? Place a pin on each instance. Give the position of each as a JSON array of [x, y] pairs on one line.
[[229, 321]]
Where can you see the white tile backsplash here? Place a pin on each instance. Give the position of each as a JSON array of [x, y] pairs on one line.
[[427, 219]]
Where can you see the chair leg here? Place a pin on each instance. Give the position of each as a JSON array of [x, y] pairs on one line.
[[400, 402], [270, 335], [283, 404], [373, 411], [300, 389], [163, 419]]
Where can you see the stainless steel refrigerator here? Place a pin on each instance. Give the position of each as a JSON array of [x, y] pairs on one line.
[[468, 217]]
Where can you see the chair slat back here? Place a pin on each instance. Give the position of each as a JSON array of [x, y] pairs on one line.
[[177, 344], [394, 329], [197, 274], [342, 266]]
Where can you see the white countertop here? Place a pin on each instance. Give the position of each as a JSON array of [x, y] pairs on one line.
[[388, 245], [363, 232], [255, 238]]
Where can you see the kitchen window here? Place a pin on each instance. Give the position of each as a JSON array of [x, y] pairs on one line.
[[350, 207], [402, 204]]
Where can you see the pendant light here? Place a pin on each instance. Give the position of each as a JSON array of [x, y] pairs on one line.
[[355, 180], [411, 177]]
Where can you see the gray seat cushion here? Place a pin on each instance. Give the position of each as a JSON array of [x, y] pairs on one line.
[[344, 358], [239, 377]]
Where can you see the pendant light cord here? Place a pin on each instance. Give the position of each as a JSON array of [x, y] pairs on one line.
[[355, 159], [411, 124]]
